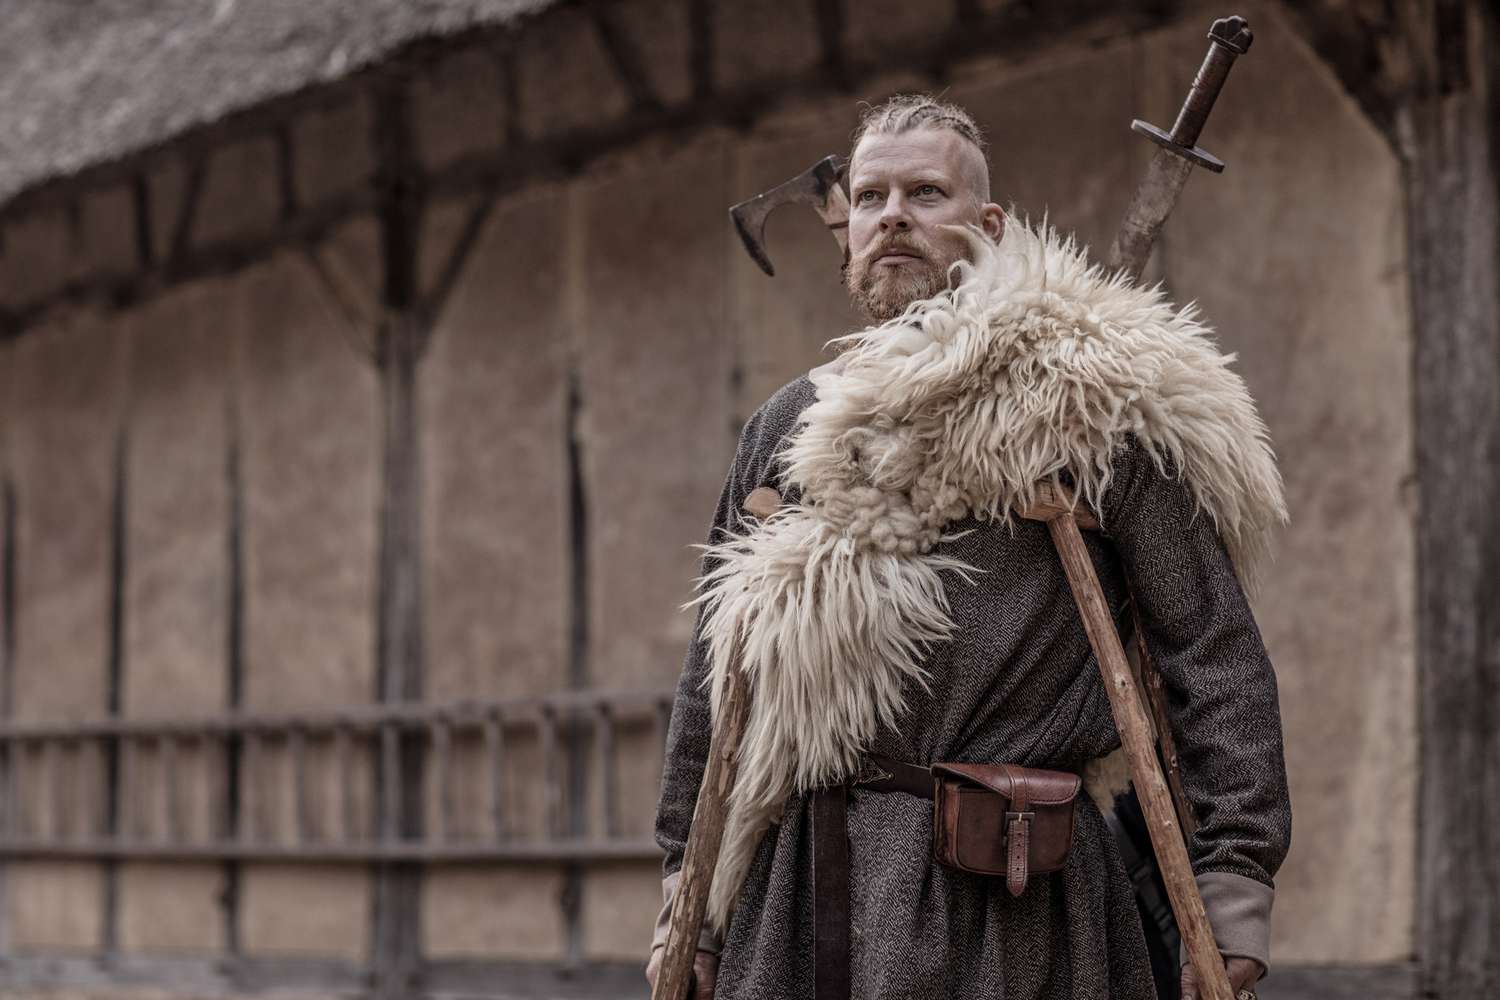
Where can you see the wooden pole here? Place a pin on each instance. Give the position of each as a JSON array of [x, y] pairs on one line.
[[674, 980], [1135, 736]]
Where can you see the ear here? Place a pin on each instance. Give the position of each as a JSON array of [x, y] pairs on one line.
[[992, 221]]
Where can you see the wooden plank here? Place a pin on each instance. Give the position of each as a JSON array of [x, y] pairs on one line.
[[1454, 219]]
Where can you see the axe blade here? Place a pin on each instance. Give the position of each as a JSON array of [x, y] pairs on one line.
[[817, 186]]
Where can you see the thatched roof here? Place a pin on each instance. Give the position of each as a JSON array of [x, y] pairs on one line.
[[85, 83]]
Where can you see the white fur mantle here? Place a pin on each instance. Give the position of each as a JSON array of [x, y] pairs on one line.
[[1037, 362]]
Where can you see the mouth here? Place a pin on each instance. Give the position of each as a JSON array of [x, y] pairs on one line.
[[896, 257]]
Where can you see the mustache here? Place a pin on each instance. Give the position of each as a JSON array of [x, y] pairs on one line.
[[894, 244]]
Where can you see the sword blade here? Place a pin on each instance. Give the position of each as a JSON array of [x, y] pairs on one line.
[[1149, 208]]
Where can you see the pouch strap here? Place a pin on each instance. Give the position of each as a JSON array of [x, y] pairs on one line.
[[1017, 832], [1017, 837]]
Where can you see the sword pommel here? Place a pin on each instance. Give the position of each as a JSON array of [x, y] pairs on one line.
[[1233, 33]]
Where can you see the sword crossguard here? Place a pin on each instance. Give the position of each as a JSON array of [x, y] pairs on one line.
[[1230, 38]]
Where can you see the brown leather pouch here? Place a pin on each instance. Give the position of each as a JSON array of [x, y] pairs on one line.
[[1002, 819]]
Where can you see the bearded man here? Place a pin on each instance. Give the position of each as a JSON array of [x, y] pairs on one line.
[[897, 609]]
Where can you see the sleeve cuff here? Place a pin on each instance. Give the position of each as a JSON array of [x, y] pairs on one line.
[[707, 939], [1239, 911]]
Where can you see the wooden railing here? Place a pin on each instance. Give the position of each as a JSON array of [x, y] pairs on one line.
[[322, 786]]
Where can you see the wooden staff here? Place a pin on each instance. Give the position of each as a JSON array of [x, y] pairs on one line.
[[674, 978], [1167, 838]]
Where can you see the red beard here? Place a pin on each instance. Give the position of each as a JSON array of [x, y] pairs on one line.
[[884, 291]]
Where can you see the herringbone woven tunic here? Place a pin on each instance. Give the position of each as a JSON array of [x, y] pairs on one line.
[[1018, 683]]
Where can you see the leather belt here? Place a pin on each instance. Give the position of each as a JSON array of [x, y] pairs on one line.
[[830, 837]]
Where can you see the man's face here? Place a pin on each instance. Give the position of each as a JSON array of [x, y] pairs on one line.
[[903, 187]]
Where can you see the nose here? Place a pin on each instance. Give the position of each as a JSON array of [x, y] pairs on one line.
[[894, 215]]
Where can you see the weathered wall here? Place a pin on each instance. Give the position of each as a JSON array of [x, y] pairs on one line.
[[496, 544], [309, 420], [68, 387], [175, 646]]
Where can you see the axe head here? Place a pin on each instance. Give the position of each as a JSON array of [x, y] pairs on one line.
[[818, 187]]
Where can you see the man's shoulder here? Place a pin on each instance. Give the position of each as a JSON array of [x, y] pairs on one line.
[[782, 408], [763, 433]]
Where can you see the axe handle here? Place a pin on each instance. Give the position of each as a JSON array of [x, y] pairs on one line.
[[1135, 736], [835, 214], [674, 979]]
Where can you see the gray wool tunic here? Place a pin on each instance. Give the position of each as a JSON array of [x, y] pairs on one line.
[[1018, 683]]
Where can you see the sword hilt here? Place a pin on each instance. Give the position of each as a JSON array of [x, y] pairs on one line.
[[1230, 38]]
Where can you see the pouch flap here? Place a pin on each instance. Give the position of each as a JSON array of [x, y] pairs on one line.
[[1039, 787]]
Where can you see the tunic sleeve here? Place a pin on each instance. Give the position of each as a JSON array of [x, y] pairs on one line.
[[1221, 693], [691, 727]]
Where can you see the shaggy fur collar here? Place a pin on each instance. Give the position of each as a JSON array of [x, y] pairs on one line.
[[1036, 363]]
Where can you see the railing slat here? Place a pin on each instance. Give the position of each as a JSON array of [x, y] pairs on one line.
[[390, 782], [441, 751], [127, 813], [51, 816], [494, 752], [552, 788], [343, 776], [84, 790], [171, 779], [609, 776], [296, 747], [248, 828]]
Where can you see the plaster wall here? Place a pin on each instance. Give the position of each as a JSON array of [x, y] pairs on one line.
[[68, 385], [175, 643], [310, 440]]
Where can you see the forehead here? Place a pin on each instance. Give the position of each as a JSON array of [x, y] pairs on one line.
[[920, 150]]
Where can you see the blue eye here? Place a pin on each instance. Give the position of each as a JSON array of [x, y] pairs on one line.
[[862, 194], [926, 189]]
